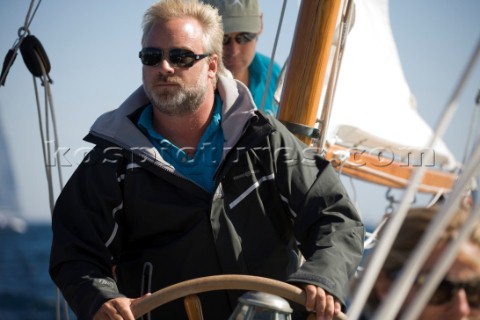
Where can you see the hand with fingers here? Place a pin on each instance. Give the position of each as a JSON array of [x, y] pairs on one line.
[[321, 302], [117, 309]]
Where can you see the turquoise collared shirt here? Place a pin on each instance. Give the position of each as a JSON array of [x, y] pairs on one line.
[[209, 151], [258, 70]]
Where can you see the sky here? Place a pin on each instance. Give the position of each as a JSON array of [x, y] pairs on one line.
[[93, 51]]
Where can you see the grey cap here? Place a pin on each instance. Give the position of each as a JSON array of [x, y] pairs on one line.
[[238, 15]]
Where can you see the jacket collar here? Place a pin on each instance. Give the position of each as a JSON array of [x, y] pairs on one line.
[[116, 127]]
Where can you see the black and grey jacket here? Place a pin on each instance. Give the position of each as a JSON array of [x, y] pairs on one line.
[[127, 223]]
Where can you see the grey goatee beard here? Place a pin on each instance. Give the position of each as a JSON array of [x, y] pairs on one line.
[[181, 100]]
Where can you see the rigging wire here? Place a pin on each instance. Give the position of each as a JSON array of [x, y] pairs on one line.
[[400, 289], [274, 50], [37, 62], [447, 258], [23, 32], [28, 18], [391, 306], [344, 28], [473, 126]]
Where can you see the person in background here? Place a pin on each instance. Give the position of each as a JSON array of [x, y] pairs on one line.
[[242, 24], [187, 179], [458, 295]]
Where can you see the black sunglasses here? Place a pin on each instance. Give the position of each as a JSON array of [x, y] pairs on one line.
[[446, 289], [178, 58], [240, 38]]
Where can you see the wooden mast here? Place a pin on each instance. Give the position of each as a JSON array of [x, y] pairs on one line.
[[309, 58]]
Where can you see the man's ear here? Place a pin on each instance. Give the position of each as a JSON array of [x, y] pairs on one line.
[[212, 66]]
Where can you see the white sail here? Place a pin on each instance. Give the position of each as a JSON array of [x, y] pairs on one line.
[[9, 206], [373, 108]]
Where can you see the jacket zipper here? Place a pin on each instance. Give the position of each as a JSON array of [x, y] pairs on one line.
[[146, 284]]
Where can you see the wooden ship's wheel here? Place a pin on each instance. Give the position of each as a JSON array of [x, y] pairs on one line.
[[190, 288]]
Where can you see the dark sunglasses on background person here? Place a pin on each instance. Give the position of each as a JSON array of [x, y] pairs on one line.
[[178, 58], [241, 38], [447, 288]]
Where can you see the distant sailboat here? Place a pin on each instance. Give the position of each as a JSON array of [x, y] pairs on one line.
[[9, 206]]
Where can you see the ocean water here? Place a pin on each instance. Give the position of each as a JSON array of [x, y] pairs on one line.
[[26, 290]]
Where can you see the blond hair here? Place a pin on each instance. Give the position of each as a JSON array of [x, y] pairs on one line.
[[415, 224], [206, 15]]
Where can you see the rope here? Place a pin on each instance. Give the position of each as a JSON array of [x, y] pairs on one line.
[[45, 130]]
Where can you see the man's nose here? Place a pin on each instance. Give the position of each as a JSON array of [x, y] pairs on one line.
[[164, 67], [232, 48], [460, 303]]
